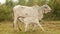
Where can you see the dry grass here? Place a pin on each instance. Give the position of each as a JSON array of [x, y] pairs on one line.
[[51, 27]]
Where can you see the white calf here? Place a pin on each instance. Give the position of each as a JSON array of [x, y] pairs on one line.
[[31, 20]]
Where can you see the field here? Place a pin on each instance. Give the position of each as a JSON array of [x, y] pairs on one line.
[[51, 27]]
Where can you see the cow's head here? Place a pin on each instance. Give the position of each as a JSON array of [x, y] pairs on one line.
[[46, 8]]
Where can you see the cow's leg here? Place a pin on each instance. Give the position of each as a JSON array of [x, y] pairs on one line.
[[40, 26], [34, 26], [14, 24], [26, 25], [18, 27], [18, 23]]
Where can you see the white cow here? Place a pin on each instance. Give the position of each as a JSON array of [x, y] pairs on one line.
[[23, 11], [34, 11]]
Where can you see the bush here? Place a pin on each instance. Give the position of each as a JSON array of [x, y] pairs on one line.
[[5, 13]]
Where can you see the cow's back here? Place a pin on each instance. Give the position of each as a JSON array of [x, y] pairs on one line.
[[25, 11]]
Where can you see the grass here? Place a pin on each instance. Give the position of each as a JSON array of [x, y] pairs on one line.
[[51, 27]]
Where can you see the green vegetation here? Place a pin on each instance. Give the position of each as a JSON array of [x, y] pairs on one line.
[[6, 10]]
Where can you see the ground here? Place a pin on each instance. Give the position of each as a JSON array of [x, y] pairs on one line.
[[51, 27]]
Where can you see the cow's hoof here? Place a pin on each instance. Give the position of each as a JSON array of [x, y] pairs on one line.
[[19, 29]]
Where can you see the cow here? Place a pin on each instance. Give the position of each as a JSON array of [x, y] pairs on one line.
[[34, 11]]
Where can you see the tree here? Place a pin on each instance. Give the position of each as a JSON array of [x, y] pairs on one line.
[[21, 2], [30, 3], [9, 2]]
